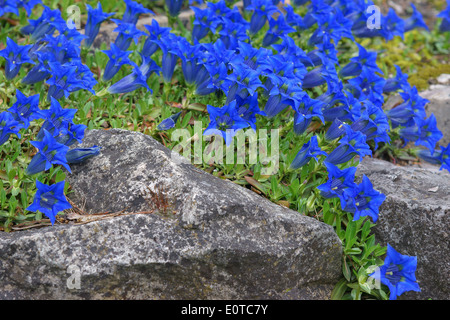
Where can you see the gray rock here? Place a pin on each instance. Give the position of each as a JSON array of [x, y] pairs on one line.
[[214, 239], [439, 96], [415, 220]]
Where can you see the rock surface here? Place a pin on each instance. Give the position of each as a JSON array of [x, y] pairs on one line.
[[215, 239], [415, 220], [439, 96]]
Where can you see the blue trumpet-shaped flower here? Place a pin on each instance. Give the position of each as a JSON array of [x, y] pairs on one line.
[[364, 201], [174, 7], [70, 134], [440, 157], [127, 33], [415, 21], [277, 28], [25, 109], [169, 122], [47, 23], [352, 144], [309, 150], [56, 119], [42, 70], [94, 20], [8, 126], [445, 15], [424, 133], [225, 121], [50, 200], [399, 82], [49, 152], [262, 9], [80, 155], [365, 58], [133, 11], [63, 81], [248, 109], [340, 183], [117, 58], [398, 273], [308, 109], [137, 79], [15, 55], [156, 34]]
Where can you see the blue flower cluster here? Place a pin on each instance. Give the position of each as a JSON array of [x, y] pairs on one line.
[[13, 6], [445, 15], [257, 80]]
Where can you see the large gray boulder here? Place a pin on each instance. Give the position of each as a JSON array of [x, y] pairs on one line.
[[204, 238], [439, 97], [415, 220]]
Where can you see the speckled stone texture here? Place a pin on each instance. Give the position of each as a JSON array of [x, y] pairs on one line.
[[439, 97], [217, 240], [415, 220]]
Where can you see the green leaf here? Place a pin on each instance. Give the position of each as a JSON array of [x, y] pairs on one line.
[[346, 270], [350, 235], [353, 251], [339, 290]]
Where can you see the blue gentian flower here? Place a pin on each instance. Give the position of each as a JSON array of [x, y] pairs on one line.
[[224, 121], [49, 152], [205, 21], [8, 126], [336, 130], [398, 273], [445, 15], [80, 155], [364, 201], [399, 82], [15, 55], [127, 33], [340, 183], [308, 109], [169, 122], [50, 200], [47, 23], [248, 109], [169, 59], [244, 79], [293, 19], [94, 20], [133, 11], [156, 33], [262, 9], [352, 144], [415, 21], [117, 58], [424, 133], [137, 79], [365, 58], [25, 109], [174, 7], [56, 119], [394, 25], [277, 28], [309, 150], [401, 115], [70, 134], [63, 81], [440, 157], [9, 6], [28, 5]]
